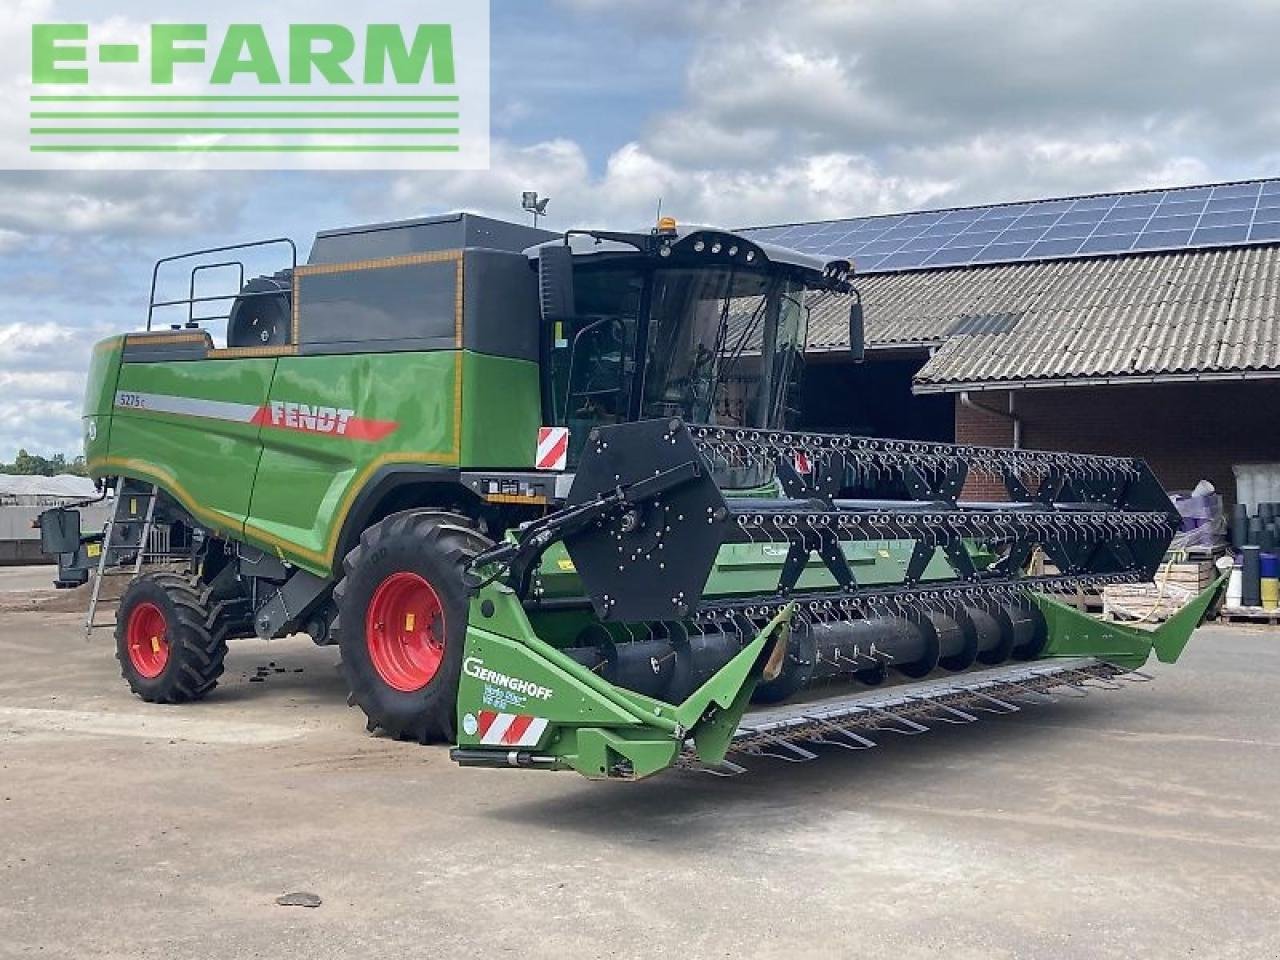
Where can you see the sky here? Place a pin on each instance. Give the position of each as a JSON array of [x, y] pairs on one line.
[[734, 112]]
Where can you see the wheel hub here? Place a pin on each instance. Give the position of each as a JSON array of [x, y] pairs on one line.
[[146, 640], [404, 630]]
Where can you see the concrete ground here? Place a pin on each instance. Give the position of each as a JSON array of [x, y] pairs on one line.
[[14, 579], [1141, 823]]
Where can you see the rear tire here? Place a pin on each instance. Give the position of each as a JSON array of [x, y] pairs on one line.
[[170, 643], [402, 607]]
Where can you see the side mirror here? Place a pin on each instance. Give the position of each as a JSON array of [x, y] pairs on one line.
[[555, 282], [59, 531], [857, 332]]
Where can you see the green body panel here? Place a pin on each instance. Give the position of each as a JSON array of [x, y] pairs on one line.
[[307, 480], [208, 463], [502, 411], [604, 731], [289, 490], [99, 395]]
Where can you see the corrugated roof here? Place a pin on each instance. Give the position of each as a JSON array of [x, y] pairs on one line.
[[1194, 313], [1204, 312], [63, 485]]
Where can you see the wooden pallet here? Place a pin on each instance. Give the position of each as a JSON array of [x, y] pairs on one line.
[[1250, 615]]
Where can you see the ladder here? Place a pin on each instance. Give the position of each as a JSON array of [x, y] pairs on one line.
[[120, 518]]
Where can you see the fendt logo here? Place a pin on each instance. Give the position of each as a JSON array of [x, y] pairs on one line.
[[301, 84], [300, 416], [317, 418]]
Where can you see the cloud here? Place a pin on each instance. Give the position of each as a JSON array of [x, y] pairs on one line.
[[61, 384], [19, 341], [40, 425], [118, 204]]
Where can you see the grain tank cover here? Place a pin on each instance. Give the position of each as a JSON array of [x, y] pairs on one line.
[[452, 231]]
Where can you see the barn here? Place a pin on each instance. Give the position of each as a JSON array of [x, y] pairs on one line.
[[1140, 323]]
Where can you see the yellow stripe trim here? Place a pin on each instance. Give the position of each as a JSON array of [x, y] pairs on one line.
[[111, 343], [147, 339], [457, 369], [217, 520], [386, 263], [232, 352]]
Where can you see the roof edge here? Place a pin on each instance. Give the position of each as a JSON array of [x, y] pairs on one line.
[[1113, 380], [1010, 203]]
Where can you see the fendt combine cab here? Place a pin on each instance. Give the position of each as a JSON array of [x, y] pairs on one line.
[[548, 496]]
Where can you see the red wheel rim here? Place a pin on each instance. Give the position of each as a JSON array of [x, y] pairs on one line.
[[405, 631], [145, 637]]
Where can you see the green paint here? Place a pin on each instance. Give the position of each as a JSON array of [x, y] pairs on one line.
[[245, 50], [385, 45], [171, 44], [1171, 636], [243, 131], [233, 115], [118, 53], [1076, 634], [53, 44], [501, 412], [238, 148], [304, 57], [226, 98], [593, 726], [306, 480], [99, 395], [212, 461]]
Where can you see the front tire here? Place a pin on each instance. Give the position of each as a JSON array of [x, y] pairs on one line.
[[402, 607], [170, 643]]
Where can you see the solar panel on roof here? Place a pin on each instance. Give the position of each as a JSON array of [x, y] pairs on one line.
[[1185, 218]]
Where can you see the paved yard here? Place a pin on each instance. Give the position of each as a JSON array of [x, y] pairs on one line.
[[1143, 823], [27, 578]]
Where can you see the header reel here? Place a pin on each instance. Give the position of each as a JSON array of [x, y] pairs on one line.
[[647, 518]]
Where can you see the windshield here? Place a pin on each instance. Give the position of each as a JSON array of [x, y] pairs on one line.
[[717, 345], [702, 325]]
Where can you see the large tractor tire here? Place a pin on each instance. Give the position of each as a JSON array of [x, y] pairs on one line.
[[402, 614], [170, 643]]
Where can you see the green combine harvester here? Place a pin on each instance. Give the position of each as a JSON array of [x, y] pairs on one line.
[[547, 495]]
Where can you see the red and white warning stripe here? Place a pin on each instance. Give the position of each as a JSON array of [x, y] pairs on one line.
[[509, 729], [553, 448]]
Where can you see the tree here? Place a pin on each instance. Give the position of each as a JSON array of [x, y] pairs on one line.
[[32, 465]]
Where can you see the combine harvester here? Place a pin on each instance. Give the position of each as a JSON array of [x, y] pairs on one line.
[[544, 493]]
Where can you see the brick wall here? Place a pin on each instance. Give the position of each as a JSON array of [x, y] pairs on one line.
[[1186, 431]]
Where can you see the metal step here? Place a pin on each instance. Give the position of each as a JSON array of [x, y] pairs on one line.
[[789, 731], [109, 545]]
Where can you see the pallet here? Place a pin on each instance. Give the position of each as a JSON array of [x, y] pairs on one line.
[[1258, 615]]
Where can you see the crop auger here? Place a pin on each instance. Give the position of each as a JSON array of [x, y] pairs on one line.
[[541, 492]]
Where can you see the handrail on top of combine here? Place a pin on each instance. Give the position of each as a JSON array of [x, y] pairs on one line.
[[192, 300]]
